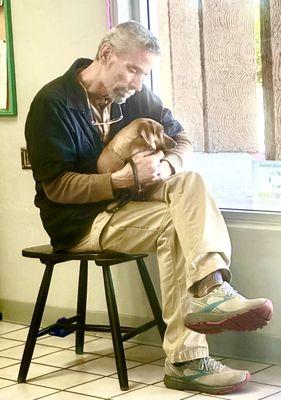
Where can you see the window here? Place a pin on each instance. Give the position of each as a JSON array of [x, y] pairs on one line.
[[211, 64]]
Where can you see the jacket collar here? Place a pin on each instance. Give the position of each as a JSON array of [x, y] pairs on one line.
[[75, 95]]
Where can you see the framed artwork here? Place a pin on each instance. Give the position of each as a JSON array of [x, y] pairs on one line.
[[8, 103]]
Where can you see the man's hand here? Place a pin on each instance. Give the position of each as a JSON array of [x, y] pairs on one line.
[[165, 169], [148, 167]]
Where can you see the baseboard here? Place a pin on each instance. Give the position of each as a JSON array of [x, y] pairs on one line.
[[21, 313], [255, 346]]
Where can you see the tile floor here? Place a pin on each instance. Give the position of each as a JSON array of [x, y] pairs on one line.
[[57, 373]]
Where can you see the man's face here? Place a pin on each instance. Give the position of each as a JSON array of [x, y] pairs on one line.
[[123, 74]]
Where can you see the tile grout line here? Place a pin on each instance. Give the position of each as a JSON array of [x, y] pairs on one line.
[[266, 397]]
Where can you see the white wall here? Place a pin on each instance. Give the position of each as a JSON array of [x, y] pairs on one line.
[[48, 37]]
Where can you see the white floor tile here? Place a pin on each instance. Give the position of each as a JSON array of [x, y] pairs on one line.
[[34, 370], [20, 334], [271, 376], [146, 373], [7, 343], [99, 335], [160, 362], [81, 380], [65, 358], [5, 383], [16, 352], [251, 391], [250, 366], [63, 379], [103, 346], [204, 397], [62, 342], [8, 327], [155, 393], [104, 388], [5, 362], [24, 392], [69, 396], [102, 366], [162, 384], [144, 353], [276, 396]]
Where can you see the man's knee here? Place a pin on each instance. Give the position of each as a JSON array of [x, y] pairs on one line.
[[186, 179]]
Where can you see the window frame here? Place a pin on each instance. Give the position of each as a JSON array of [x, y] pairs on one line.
[[140, 10]]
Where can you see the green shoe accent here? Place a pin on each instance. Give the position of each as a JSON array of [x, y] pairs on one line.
[[204, 375]]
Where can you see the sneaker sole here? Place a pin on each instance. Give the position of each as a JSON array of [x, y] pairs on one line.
[[250, 320], [174, 383]]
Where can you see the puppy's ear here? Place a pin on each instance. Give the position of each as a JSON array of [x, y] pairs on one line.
[[163, 141], [148, 136]]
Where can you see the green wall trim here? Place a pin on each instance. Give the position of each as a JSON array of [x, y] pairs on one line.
[[12, 98]]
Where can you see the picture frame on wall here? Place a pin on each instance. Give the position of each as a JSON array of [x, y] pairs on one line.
[[8, 101]]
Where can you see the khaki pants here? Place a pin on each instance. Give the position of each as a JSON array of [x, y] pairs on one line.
[[182, 224]]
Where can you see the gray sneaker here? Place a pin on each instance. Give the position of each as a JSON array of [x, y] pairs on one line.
[[225, 309], [204, 375]]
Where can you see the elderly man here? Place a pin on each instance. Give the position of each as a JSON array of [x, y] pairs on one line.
[[70, 121]]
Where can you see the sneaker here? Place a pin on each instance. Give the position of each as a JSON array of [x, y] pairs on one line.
[[224, 309], [204, 375]]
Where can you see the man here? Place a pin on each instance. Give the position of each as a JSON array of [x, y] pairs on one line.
[[69, 122]]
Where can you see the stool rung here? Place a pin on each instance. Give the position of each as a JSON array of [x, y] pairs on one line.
[[130, 332], [135, 331], [67, 324]]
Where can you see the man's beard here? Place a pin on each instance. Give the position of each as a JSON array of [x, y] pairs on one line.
[[120, 95]]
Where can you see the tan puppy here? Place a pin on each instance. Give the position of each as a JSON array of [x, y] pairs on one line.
[[141, 134]]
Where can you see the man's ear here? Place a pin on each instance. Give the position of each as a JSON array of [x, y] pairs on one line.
[[105, 53]]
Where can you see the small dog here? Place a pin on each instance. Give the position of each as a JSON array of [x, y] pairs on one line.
[[140, 135]]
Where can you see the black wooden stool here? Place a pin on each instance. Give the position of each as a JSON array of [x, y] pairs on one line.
[[77, 323]]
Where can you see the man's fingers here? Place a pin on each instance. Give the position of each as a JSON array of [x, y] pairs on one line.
[[142, 154], [159, 155]]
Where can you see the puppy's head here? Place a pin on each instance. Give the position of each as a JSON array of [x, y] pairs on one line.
[[153, 135]]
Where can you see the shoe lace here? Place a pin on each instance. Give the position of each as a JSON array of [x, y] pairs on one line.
[[229, 291], [209, 364]]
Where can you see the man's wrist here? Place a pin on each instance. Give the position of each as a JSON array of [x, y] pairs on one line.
[[121, 179], [168, 168]]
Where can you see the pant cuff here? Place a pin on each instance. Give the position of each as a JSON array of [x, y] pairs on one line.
[[211, 263], [189, 354]]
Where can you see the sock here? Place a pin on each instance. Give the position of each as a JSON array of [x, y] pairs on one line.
[[207, 284]]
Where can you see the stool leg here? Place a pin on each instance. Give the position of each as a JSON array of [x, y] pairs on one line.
[[35, 323], [81, 305], [152, 298], [115, 329]]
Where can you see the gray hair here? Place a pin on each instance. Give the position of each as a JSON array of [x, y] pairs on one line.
[[128, 35]]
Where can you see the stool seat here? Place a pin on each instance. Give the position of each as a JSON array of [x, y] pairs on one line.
[[46, 253], [77, 323]]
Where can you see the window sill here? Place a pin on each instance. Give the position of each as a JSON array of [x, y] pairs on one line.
[[245, 217], [229, 178]]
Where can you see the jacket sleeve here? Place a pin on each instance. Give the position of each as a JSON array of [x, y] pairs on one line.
[[50, 138], [180, 154]]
